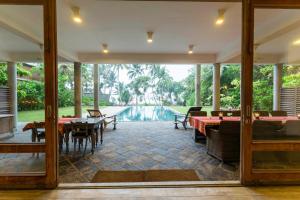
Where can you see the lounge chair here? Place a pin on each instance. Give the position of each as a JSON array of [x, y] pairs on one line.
[[183, 119], [108, 119]]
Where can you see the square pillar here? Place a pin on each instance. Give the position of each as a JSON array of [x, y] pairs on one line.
[[12, 84], [77, 89], [198, 85], [216, 86], [277, 84], [96, 87]]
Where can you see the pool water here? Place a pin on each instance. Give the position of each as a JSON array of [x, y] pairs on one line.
[[146, 113]]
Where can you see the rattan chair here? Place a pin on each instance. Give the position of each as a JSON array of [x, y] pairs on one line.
[[224, 143], [267, 130], [262, 113], [278, 113], [198, 113]]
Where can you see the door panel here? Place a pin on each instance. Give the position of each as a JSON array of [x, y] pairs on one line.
[[271, 139], [28, 55]]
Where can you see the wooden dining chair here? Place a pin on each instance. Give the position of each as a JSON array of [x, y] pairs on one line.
[[39, 130], [80, 132]]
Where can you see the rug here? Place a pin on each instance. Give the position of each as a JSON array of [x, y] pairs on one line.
[[145, 176]]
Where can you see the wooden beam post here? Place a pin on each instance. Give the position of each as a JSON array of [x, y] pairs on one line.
[[198, 85], [12, 84], [77, 89], [277, 84], [216, 86], [96, 87]]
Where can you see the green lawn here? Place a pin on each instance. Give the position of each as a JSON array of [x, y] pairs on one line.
[[39, 115], [184, 109]]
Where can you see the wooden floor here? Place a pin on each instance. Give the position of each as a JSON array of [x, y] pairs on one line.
[[215, 193]]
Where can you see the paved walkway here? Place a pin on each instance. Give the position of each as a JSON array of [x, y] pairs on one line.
[[143, 146], [133, 146]]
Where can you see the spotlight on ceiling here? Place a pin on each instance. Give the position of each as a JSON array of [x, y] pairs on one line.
[[191, 49], [150, 37], [296, 42], [220, 19], [76, 14], [105, 48]]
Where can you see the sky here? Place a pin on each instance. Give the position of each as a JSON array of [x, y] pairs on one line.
[[178, 72]]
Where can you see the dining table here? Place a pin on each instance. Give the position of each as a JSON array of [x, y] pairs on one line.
[[202, 123], [95, 125]]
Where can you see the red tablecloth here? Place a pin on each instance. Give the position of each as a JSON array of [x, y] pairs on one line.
[[200, 123], [61, 122]]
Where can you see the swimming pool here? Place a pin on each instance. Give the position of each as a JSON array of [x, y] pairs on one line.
[[146, 113]]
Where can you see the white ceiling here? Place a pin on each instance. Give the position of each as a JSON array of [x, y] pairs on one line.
[[123, 26]]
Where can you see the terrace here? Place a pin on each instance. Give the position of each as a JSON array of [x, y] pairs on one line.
[[95, 54]]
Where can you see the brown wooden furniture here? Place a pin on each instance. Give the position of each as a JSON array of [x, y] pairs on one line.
[[80, 131], [108, 119], [278, 113], [38, 131], [95, 125], [224, 143], [183, 119]]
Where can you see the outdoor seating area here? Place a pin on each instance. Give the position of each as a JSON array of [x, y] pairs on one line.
[[158, 91]]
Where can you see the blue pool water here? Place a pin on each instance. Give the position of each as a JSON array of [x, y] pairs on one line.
[[146, 113]]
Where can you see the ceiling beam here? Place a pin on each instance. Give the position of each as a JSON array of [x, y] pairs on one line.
[[278, 33], [233, 52], [132, 58], [22, 33]]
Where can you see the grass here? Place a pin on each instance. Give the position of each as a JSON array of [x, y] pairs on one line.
[[39, 115], [184, 109]]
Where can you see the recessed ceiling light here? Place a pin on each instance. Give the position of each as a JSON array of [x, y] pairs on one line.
[[296, 42], [105, 48], [191, 49], [150, 37], [220, 19], [76, 15]]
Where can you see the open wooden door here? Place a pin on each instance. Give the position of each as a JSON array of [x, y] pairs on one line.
[[30, 43], [270, 145]]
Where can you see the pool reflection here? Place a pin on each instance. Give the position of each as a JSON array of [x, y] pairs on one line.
[[146, 113]]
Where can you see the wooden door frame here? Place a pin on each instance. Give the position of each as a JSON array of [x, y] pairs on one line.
[[250, 176], [50, 148]]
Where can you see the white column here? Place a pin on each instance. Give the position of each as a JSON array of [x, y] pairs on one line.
[[12, 84], [198, 85], [277, 84], [77, 89], [96, 87], [216, 86]]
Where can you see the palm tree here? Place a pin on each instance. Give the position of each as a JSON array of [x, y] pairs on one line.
[[135, 70]]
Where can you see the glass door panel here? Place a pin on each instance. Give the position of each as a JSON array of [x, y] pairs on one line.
[[271, 124], [27, 98]]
